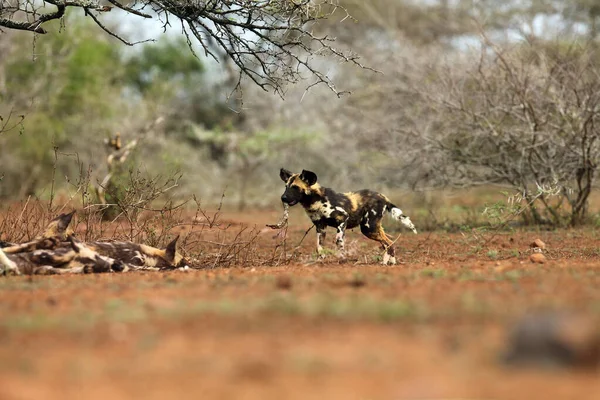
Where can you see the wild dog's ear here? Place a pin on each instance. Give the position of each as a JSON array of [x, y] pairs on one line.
[[308, 177], [284, 174], [171, 250]]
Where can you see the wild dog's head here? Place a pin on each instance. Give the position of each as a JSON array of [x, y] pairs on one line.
[[167, 258], [298, 186], [59, 227]]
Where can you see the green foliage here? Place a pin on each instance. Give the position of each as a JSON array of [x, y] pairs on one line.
[[116, 190], [75, 87], [89, 72], [165, 62], [36, 143], [68, 93], [499, 211], [435, 273], [262, 143], [492, 254]]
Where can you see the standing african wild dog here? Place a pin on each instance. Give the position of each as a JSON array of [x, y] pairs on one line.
[[326, 207]]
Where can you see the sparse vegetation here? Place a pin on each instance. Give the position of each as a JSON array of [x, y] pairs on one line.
[[485, 134]]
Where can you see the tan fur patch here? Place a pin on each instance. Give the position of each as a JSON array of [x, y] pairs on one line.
[[178, 258], [153, 251], [52, 257], [355, 200], [296, 181]]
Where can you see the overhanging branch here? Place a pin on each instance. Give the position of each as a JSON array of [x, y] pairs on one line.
[[271, 42]]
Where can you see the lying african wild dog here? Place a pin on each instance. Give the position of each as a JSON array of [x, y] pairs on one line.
[[57, 251], [95, 257], [141, 256], [326, 207], [76, 258]]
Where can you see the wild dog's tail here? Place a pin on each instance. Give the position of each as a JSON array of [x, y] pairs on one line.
[[7, 266], [398, 215]]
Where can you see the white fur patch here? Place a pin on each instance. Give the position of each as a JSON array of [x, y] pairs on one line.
[[340, 209], [408, 223], [8, 266], [320, 238], [339, 236], [388, 260], [396, 213], [320, 209], [149, 261]]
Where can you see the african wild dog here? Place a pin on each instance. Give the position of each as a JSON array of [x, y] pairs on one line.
[[133, 255], [58, 251], [140, 256], [74, 256], [77, 258], [326, 207]]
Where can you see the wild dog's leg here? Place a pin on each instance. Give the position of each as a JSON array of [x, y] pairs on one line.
[[46, 270], [36, 244], [320, 237], [340, 236], [373, 230], [390, 254]]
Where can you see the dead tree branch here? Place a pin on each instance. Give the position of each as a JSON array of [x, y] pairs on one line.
[[271, 42]]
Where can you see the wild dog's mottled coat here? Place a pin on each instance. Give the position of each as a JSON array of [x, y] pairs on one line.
[[57, 251], [326, 207], [77, 258], [140, 255]]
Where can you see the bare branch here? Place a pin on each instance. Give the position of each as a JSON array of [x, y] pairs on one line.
[[271, 42]]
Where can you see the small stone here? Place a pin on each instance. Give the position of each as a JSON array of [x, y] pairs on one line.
[[538, 258], [283, 282], [357, 281], [51, 301], [555, 338], [538, 244]]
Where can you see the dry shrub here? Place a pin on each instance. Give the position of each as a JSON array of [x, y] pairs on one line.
[[148, 216]]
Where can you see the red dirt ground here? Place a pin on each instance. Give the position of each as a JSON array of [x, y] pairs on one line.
[[432, 327]]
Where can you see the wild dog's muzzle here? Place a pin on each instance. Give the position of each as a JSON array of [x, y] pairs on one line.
[[291, 202]]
